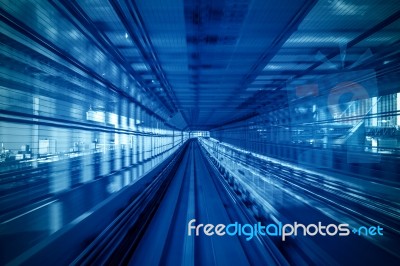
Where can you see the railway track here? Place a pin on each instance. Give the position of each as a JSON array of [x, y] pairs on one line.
[[154, 230]]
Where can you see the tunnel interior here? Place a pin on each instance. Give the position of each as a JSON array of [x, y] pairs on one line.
[[121, 122]]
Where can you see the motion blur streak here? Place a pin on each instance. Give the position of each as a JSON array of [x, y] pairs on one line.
[[122, 121]]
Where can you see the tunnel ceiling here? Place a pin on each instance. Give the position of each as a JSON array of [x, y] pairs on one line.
[[214, 62]]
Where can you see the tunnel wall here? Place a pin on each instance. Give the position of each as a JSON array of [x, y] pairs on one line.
[[70, 112], [359, 137]]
